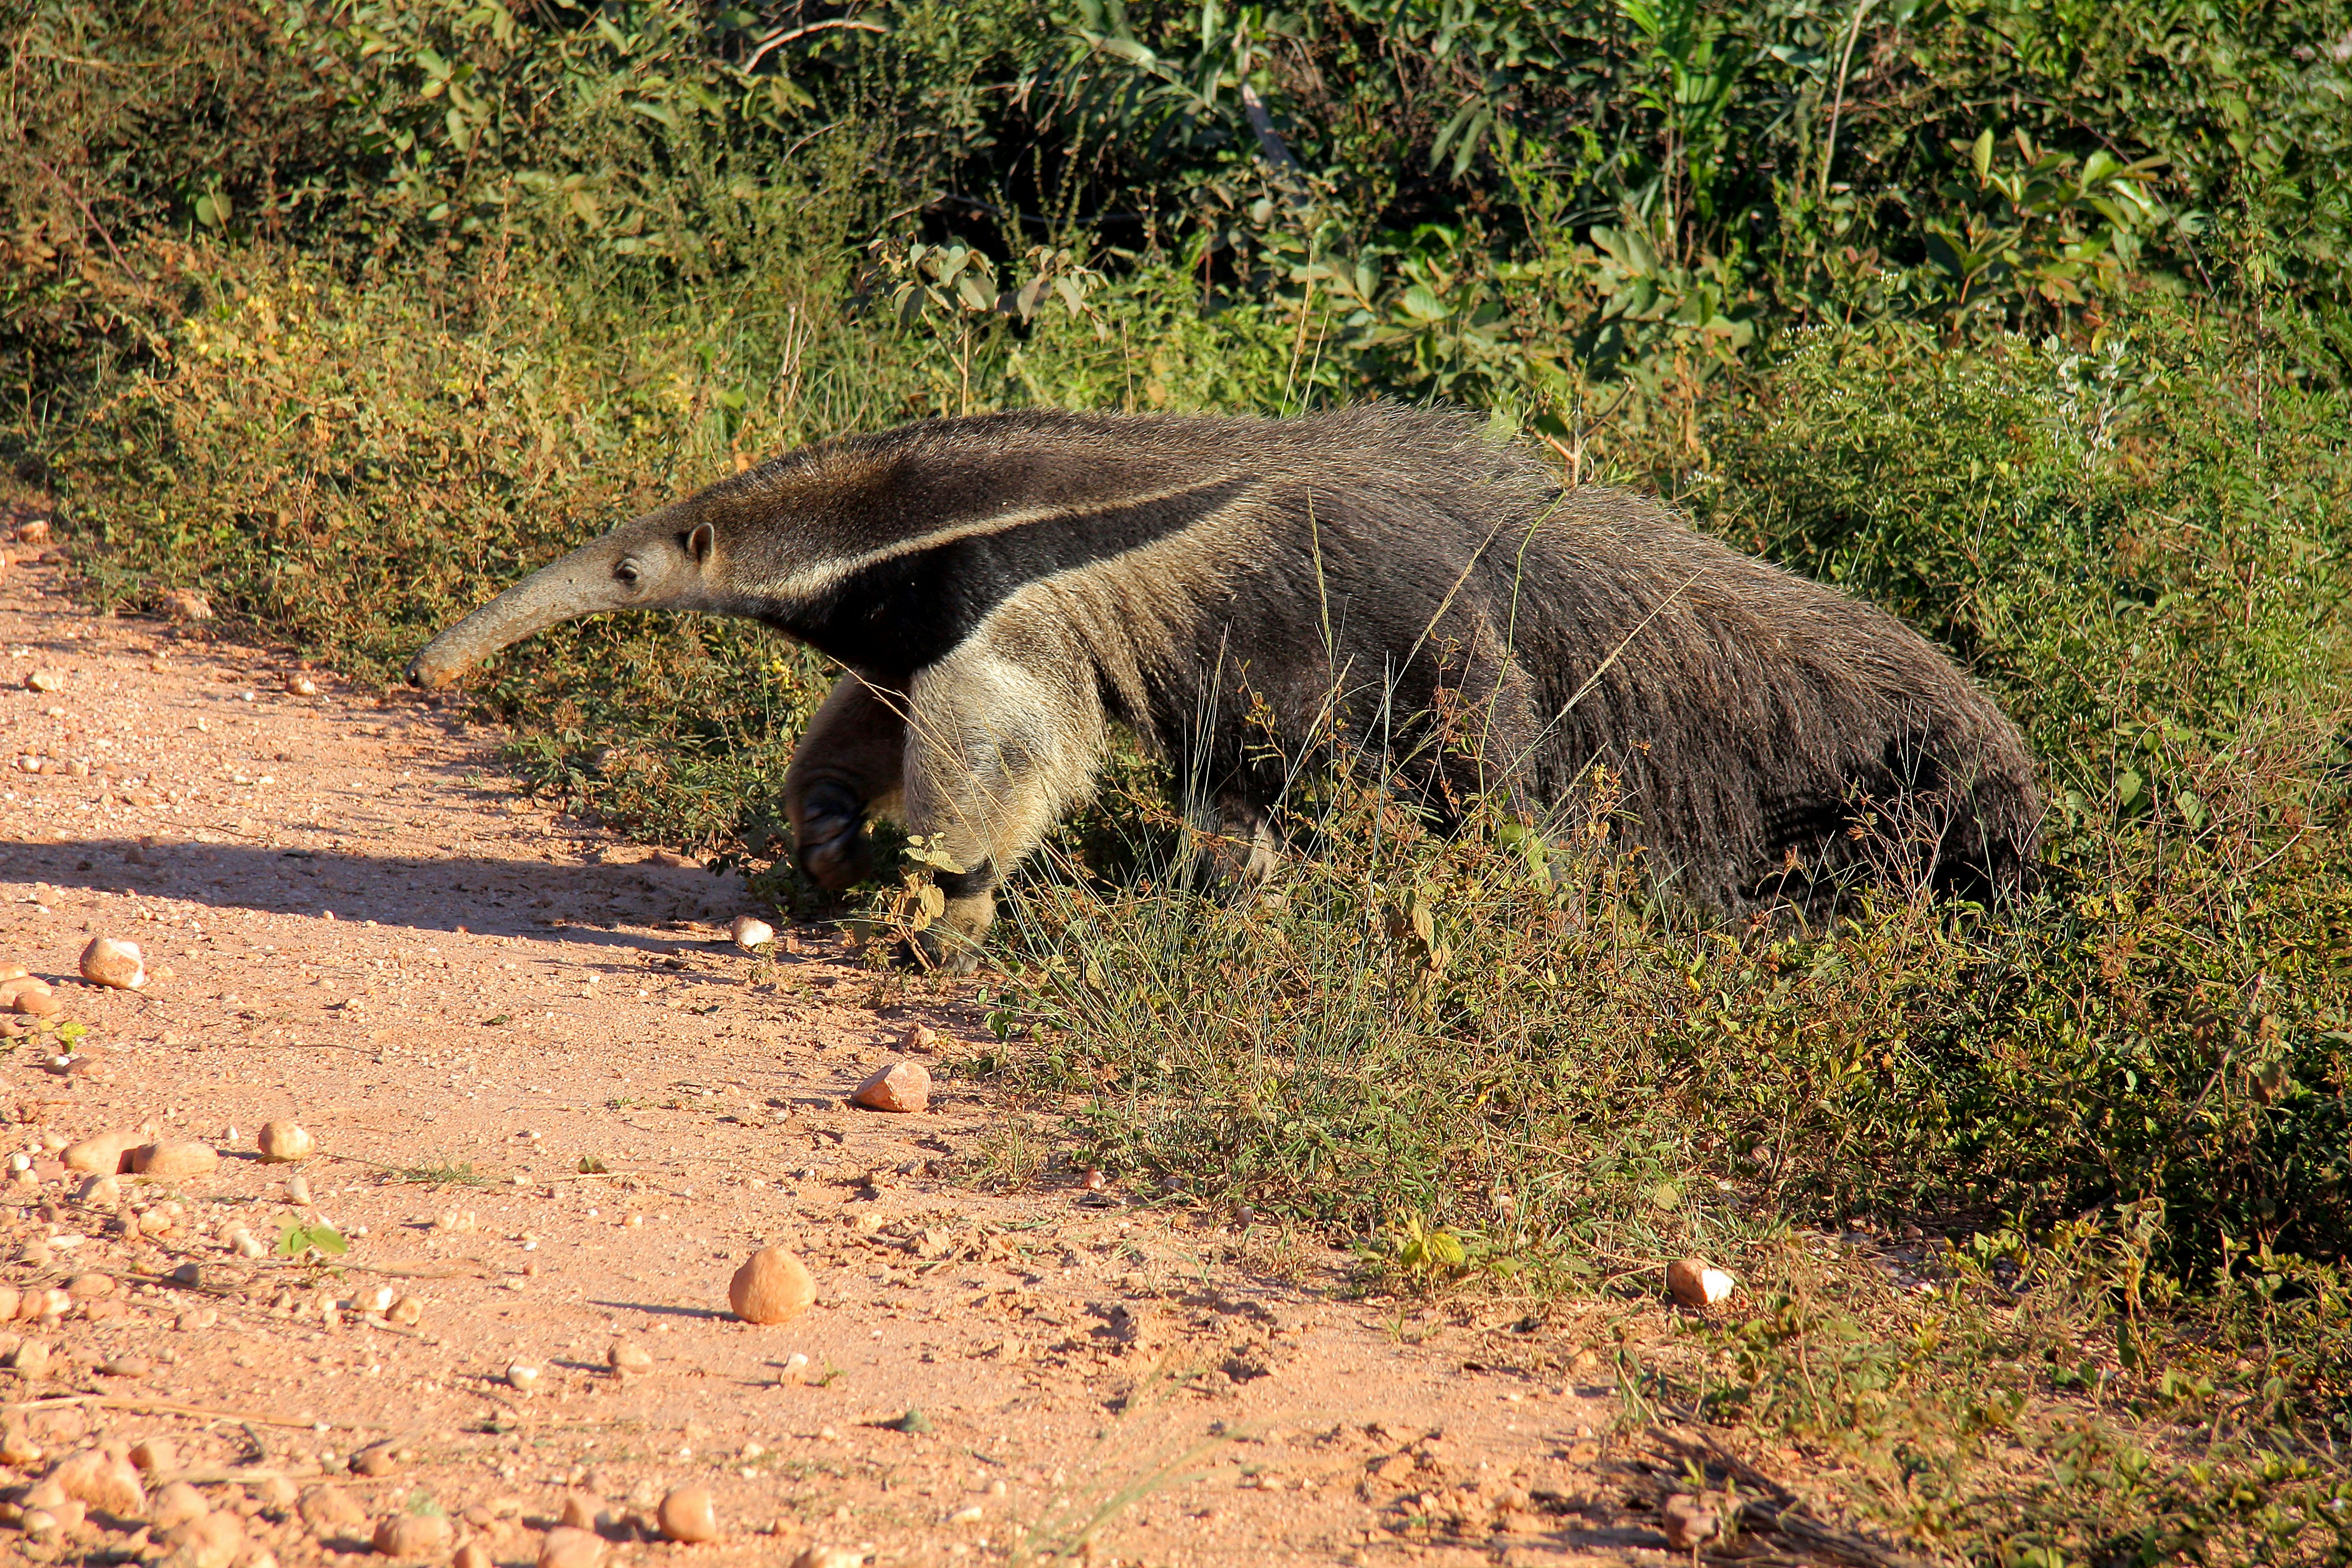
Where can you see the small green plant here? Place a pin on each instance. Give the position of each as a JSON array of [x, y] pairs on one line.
[[448, 1174], [296, 1239]]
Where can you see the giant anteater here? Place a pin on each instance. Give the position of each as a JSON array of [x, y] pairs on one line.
[[1002, 588]]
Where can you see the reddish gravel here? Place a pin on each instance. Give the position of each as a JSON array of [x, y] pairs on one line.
[[555, 1107]]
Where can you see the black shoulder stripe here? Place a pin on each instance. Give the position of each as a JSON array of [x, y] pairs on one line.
[[900, 614]]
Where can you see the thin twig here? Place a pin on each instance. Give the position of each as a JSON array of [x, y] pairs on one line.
[[171, 1407]]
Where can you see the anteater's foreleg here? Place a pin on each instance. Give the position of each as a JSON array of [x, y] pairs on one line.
[[1001, 741], [848, 766]]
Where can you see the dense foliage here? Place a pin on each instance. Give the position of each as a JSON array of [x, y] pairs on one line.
[[2025, 318]]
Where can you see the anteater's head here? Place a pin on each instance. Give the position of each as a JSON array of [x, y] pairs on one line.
[[667, 560]]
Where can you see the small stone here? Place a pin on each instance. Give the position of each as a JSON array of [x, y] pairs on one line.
[[104, 1482], [109, 961], [1691, 1522], [413, 1535], [901, 1085], [1698, 1284], [377, 1460], [580, 1509], [11, 1299], [922, 1040], [408, 1311], [773, 1287], [46, 680], [32, 1358], [82, 1286], [750, 933], [215, 1540], [184, 605], [124, 1365], [153, 1454], [301, 685], [687, 1515], [829, 1557], [177, 1504], [276, 1493], [568, 1547], [173, 1159], [40, 1523], [332, 1514], [33, 530], [628, 1358], [17, 1447], [100, 1191], [280, 1142], [473, 1555], [34, 998], [523, 1376]]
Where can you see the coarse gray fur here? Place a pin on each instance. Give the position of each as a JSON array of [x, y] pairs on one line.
[[1004, 589]]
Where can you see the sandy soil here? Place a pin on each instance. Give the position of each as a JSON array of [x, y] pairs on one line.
[[556, 1108]]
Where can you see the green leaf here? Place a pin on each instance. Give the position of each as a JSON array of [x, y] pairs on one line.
[[297, 1238], [1980, 156]]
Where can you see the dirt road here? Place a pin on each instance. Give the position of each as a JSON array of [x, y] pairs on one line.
[[555, 1107]]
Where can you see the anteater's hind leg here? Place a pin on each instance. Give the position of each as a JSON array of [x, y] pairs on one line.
[[1002, 738], [848, 766]]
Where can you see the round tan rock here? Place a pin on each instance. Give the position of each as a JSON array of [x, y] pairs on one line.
[[107, 961], [772, 1287], [750, 931], [901, 1085], [566, 1547], [171, 1159], [629, 1358], [104, 1482], [687, 1514], [152, 1454], [103, 1153], [36, 999], [177, 1504], [1697, 1283], [473, 1555], [215, 1541], [82, 1287], [31, 1357], [280, 1142], [332, 1513], [580, 1509], [830, 1557], [413, 1535]]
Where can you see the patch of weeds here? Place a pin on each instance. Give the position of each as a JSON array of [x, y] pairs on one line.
[[457, 1174]]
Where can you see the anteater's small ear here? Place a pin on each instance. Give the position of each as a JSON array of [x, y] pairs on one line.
[[700, 544]]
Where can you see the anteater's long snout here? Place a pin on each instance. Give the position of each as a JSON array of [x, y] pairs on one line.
[[579, 584]]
